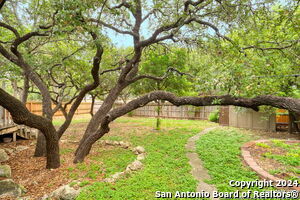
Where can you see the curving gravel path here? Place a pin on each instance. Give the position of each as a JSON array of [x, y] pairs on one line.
[[198, 171]]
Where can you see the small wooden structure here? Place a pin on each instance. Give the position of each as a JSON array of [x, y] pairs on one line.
[[8, 127], [282, 120]]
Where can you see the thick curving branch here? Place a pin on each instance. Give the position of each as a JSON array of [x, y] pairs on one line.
[[215, 29], [20, 114], [287, 103], [2, 2], [160, 78], [85, 146], [112, 27], [12, 29], [95, 74]]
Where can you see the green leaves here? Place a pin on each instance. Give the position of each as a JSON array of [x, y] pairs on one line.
[[156, 63]]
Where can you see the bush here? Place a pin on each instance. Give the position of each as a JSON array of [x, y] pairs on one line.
[[130, 114], [214, 116]]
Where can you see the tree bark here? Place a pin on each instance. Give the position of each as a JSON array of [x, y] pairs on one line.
[[84, 148], [101, 113], [52, 150], [293, 126], [21, 115], [92, 105], [158, 115], [40, 149], [2, 3], [25, 89]]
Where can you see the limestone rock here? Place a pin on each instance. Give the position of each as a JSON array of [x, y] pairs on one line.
[[8, 188], [63, 141], [109, 180], [117, 175], [141, 156], [64, 192], [108, 142], [33, 143], [134, 166], [21, 148], [5, 171], [8, 150], [139, 150], [125, 145], [3, 156]]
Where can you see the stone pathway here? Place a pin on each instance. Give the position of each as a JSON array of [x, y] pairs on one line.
[[198, 171]]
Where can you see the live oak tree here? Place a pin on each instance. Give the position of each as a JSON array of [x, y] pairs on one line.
[[167, 21], [18, 46]]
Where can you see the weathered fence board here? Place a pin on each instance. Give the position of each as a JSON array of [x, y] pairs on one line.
[[170, 111], [250, 119], [36, 108]]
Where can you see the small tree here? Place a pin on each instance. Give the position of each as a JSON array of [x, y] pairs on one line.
[[169, 65]]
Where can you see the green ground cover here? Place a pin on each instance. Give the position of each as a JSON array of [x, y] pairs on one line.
[[166, 166]]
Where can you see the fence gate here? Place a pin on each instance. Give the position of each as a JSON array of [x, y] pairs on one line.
[[224, 116]]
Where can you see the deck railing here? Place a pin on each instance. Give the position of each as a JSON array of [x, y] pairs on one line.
[[5, 118]]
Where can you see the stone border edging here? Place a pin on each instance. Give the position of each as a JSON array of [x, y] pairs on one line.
[[254, 166], [134, 166]]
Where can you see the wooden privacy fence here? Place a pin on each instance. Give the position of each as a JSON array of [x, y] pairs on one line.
[[36, 108], [170, 111], [247, 118]]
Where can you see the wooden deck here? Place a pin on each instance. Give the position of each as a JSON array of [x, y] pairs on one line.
[[8, 127], [18, 130]]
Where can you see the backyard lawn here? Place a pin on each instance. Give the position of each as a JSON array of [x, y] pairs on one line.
[[166, 167]]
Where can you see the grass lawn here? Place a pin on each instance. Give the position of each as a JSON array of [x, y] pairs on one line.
[[166, 166], [220, 152]]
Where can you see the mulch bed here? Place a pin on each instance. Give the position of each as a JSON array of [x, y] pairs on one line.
[[30, 171]]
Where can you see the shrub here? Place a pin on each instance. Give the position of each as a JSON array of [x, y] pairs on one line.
[[130, 114], [214, 116]]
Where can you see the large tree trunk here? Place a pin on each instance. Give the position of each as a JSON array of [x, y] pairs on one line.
[[52, 151], [84, 148], [101, 113], [40, 148]]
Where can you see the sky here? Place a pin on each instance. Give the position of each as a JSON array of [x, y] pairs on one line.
[[120, 40]]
